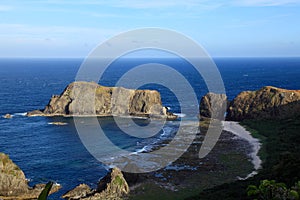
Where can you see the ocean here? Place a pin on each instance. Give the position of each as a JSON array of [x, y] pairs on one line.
[[48, 152]]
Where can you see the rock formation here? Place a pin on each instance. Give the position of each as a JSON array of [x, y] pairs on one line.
[[112, 187], [213, 104], [266, 103], [13, 184], [7, 116], [88, 98]]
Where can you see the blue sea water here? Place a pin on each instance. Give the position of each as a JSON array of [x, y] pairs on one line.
[[48, 152]]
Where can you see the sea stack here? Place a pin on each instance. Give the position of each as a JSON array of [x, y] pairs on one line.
[[89, 99], [213, 106]]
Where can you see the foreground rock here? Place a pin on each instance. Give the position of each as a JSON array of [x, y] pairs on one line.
[[112, 186], [266, 103], [13, 184], [89, 98], [213, 106]]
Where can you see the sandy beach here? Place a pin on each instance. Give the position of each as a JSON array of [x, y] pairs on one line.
[[240, 131]]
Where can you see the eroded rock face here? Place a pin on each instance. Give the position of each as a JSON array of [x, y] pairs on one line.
[[111, 187], [12, 179], [13, 184], [88, 98], [266, 103], [213, 106]]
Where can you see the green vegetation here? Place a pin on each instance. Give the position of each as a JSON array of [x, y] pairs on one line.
[[280, 154], [45, 192], [272, 190], [118, 180]]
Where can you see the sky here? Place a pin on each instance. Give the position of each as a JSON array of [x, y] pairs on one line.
[[73, 28]]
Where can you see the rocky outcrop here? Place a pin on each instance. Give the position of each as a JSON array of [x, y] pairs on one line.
[[266, 103], [213, 106], [89, 98], [81, 191], [112, 187], [13, 184], [7, 116]]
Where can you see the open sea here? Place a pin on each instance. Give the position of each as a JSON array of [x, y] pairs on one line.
[[48, 152]]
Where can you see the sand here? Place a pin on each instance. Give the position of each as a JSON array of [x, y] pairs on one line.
[[240, 131]]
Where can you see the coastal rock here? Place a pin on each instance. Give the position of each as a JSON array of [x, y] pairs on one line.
[[111, 187], [12, 178], [78, 192], [213, 104], [89, 98], [267, 103], [7, 116], [113, 184], [13, 184], [35, 113]]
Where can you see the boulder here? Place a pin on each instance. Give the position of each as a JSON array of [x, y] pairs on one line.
[[266, 103], [111, 187], [13, 184], [34, 113], [7, 116], [78, 192], [89, 98], [213, 106]]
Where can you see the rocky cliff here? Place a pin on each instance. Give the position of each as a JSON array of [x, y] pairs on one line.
[[213, 106], [111, 187], [13, 184], [89, 98], [266, 103]]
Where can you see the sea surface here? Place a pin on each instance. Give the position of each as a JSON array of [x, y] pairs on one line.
[[48, 152]]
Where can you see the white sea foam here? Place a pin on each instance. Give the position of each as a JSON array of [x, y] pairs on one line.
[[181, 115], [20, 114]]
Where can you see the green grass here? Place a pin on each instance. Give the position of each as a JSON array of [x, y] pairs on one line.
[[118, 180]]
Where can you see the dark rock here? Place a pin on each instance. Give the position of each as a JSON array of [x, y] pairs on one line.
[[266, 103], [111, 187], [13, 184], [213, 106], [88, 98]]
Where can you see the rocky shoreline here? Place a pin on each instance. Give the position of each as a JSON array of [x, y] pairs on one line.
[[192, 173]]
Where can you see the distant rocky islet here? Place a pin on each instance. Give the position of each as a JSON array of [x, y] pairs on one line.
[[90, 99]]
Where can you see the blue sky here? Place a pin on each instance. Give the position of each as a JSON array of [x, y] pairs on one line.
[[72, 28]]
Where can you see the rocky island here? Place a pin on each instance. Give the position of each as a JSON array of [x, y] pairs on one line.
[[90, 99]]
